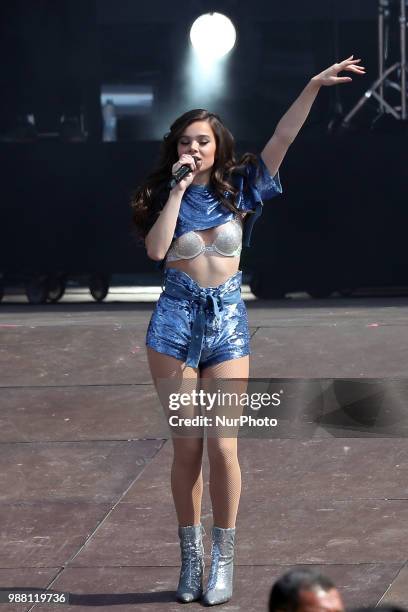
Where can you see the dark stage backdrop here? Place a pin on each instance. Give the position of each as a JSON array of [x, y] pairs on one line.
[[65, 206]]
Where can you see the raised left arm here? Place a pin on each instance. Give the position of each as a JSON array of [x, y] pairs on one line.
[[291, 122]]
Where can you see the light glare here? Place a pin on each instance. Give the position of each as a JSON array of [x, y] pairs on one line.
[[212, 35]]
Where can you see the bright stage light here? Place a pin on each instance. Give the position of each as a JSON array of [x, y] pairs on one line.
[[212, 35]]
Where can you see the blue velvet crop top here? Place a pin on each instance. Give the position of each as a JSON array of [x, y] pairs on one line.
[[200, 210]]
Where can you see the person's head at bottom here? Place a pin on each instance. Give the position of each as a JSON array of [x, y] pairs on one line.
[[304, 590]]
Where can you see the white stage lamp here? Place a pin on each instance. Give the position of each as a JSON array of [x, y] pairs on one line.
[[212, 35]]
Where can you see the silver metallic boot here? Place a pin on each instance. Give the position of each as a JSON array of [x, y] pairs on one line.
[[219, 587], [190, 585]]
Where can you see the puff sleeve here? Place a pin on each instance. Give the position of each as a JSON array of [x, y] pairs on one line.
[[255, 185]]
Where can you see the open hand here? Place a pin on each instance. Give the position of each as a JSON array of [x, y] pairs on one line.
[[329, 76]]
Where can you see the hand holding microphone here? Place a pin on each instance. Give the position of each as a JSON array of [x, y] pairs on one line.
[[184, 171]]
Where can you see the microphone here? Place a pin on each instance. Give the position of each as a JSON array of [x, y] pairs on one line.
[[181, 173]]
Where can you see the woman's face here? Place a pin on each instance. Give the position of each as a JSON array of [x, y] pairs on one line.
[[198, 139]]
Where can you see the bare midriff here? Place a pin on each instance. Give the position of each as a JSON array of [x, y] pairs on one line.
[[208, 270]]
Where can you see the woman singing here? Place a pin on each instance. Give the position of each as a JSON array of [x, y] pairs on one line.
[[198, 331]]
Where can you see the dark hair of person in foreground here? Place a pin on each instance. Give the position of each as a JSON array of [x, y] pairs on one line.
[[285, 593]]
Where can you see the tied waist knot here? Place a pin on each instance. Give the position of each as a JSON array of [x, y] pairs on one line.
[[211, 302]]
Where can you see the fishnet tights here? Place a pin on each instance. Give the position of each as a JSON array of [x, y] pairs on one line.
[[170, 375]]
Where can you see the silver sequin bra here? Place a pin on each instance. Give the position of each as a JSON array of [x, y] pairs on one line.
[[228, 242]]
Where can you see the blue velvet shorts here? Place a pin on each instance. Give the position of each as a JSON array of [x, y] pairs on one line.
[[225, 332]]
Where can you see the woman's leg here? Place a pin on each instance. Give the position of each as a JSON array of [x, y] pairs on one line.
[[225, 477], [225, 472], [170, 375]]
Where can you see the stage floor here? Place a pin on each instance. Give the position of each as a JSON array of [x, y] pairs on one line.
[[85, 456]]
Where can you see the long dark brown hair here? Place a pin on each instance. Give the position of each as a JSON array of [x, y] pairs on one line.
[[150, 197]]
